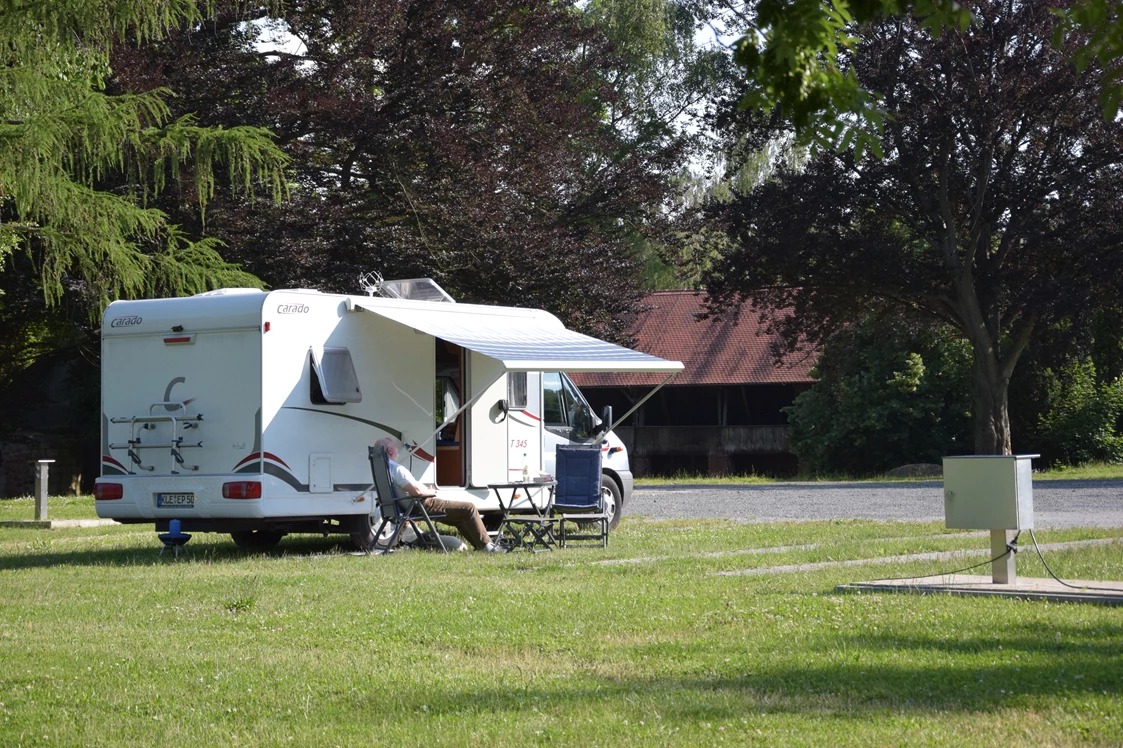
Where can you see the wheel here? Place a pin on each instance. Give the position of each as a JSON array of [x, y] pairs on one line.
[[611, 493], [364, 537], [613, 500], [612, 503], [257, 540]]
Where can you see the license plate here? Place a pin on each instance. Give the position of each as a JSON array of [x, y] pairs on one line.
[[179, 500]]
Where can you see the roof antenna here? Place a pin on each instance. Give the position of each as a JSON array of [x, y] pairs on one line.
[[371, 282]]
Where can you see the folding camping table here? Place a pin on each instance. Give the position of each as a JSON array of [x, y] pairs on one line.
[[532, 530]]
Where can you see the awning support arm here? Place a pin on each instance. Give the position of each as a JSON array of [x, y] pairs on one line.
[[636, 407], [455, 415]]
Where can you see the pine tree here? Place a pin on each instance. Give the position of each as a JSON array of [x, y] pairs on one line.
[[77, 164]]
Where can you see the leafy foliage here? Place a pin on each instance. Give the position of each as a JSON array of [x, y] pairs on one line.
[[886, 395], [667, 77], [1097, 27], [664, 74], [793, 55], [62, 136], [469, 141], [995, 211], [1083, 418], [1047, 365]]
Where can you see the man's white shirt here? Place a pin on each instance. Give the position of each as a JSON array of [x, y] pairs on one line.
[[401, 477]]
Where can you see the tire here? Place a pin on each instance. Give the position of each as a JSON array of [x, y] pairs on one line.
[[613, 500], [257, 540], [364, 538]]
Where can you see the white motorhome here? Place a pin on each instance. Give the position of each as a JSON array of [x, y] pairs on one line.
[[249, 412]]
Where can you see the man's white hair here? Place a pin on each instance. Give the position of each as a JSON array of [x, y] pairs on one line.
[[387, 442]]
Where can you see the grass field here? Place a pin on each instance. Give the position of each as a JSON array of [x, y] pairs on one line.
[[58, 507], [104, 642]]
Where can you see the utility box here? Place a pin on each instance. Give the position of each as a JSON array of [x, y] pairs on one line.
[[989, 492]]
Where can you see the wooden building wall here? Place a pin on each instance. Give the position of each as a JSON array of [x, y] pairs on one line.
[[705, 429]]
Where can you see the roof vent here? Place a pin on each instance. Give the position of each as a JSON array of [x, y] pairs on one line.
[[229, 291], [413, 289]]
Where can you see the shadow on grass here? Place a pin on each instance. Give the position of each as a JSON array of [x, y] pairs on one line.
[[865, 686], [204, 548], [1012, 641]]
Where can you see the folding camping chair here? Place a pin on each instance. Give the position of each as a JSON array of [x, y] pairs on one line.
[[577, 496], [401, 510]]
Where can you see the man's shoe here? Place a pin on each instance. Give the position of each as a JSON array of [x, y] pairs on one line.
[[494, 547]]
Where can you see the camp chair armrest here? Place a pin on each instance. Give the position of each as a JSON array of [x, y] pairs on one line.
[[415, 497]]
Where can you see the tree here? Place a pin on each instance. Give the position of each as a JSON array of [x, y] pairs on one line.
[[1081, 418], [793, 51], [997, 209], [1061, 395], [668, 77], [664, 74], [887, 394], [62, 137], [465, 140]]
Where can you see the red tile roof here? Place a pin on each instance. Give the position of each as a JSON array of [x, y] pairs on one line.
[[713, 352]]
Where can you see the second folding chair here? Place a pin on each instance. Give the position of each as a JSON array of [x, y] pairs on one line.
[[578, 499]]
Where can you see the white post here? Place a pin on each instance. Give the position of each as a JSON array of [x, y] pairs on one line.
[[1002, 569], [41, 470]]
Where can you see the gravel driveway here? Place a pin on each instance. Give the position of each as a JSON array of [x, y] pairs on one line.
[[1078, 503]]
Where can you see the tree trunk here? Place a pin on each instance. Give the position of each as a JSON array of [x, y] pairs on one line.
[[992, 414]]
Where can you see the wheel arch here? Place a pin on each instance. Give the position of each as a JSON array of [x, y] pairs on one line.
[[617, 480]]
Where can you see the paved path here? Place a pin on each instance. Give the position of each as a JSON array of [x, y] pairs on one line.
[[1084, 503], [47, 524]]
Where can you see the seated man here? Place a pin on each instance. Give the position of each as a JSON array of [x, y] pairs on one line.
[[462, 515]]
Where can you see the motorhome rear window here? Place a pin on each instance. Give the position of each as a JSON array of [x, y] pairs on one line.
[[333, 377], [516, 389]]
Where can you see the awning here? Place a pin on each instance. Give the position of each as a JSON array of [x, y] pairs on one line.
[[520, 339]]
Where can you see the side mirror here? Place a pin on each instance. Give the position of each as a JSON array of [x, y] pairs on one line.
[[502, 407], [605, 423]]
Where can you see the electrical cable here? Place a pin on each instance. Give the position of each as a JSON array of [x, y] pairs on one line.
[[1011, 547], [1058, 579]]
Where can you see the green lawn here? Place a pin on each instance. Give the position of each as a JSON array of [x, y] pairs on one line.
[[58, 507], [1098, 471], [104, 642]]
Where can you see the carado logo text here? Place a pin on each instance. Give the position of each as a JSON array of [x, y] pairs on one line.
[[293, 309], [126, 321]]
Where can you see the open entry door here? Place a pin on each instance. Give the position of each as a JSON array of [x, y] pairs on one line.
[[524, 423], [487, 422], [449, 396]]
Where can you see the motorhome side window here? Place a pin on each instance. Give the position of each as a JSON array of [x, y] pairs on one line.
[[556, 404], [516, 390], [579, 415], [334, 381]]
